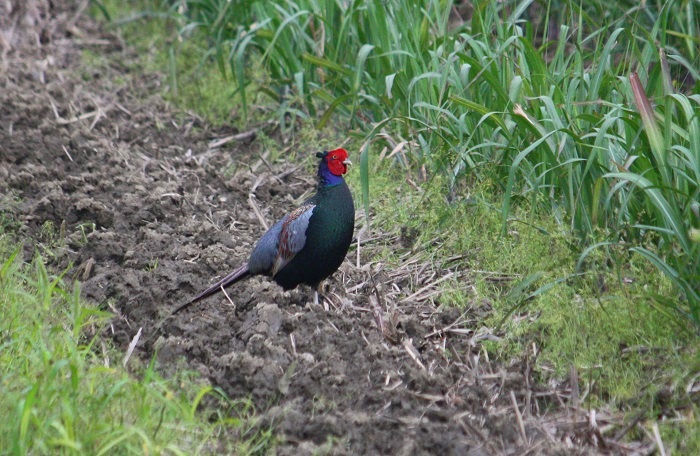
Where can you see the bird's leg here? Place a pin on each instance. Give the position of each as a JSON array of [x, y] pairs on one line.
[[316, 300], [319, 292], [318, 296]]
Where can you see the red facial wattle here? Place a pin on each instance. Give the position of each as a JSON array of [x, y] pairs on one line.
[[335, 159]]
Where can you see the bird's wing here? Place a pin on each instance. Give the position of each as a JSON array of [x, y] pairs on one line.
[[292, 236]]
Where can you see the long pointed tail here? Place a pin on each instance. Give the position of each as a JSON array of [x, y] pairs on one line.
[[238, 274]]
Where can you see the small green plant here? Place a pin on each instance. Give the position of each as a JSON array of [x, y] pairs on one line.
[[52, 241], [152, 265], [9, 207], [85, 230]]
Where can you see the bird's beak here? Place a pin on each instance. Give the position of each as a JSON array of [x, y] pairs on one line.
[[347, 162]]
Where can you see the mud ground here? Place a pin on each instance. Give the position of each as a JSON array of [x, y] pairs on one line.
[[102, 177]]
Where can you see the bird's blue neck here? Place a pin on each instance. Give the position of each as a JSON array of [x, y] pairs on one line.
[[326, 178]]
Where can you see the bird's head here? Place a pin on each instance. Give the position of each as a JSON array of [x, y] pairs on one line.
[[336, 161], [333, 165]]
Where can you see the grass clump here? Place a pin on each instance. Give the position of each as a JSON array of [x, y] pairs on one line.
[[64, 391]]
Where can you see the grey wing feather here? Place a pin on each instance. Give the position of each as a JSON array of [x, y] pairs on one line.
[[263, 255], [280, 243], [292, 237]]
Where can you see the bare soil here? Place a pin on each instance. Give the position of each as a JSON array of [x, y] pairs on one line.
[[103, 178]]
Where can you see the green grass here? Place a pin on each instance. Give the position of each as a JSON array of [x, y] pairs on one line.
[[628, 355], [584, 321], [63, 389]]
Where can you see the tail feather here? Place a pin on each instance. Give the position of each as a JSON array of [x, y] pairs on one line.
[[238, 274]]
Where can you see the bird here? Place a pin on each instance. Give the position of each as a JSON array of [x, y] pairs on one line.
[[308, 244]]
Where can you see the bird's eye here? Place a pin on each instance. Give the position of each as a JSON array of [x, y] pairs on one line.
[[335, 157]]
